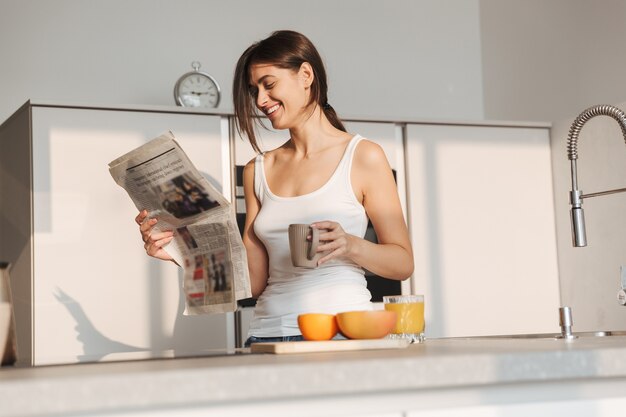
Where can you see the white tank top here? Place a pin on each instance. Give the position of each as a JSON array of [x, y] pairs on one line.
[[336, 286]]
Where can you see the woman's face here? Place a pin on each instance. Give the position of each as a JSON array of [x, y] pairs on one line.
[[281, 94]]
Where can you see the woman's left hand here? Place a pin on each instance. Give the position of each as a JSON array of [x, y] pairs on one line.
[[334, 240]]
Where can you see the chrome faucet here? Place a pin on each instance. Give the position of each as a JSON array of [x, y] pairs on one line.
[[579, 235]]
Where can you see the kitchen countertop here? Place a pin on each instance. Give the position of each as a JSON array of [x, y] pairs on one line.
[[245, 378]]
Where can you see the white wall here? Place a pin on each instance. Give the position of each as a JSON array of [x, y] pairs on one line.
[[453, 59], [549, 60], [398, 58]]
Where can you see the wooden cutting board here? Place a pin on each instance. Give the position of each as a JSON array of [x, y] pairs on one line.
[[328, 346]]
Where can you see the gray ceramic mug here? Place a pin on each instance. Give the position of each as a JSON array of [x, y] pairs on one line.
[[304, 252]]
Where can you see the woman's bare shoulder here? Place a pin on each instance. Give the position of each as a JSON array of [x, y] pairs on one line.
[[369, 154]]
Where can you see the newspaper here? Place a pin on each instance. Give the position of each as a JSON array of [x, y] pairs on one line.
[[160, 178]]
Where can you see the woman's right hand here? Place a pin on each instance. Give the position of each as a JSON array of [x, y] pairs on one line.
[[153, 240]]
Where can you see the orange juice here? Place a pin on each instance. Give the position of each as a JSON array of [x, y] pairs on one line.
[[410, 317]]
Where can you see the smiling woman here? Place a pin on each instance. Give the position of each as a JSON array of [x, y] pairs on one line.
[[286, 51], [322, 176]]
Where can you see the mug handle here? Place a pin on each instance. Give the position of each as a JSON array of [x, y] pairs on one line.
[[315, 241]]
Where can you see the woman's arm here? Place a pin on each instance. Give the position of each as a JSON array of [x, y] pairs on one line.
[[373, 183], [257, 254]]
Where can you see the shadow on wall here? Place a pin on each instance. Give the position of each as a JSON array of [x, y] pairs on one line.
[[95, 345], [185, 338]]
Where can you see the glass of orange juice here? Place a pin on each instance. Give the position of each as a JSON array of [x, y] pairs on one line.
[[410, 316]]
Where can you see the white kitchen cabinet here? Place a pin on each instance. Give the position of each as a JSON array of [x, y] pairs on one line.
[[482, 222], [85, 290]]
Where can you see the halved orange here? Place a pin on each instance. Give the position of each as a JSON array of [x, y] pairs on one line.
[[366, 324], [317, 326]]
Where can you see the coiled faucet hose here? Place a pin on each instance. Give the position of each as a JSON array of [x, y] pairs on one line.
[[584, 117]]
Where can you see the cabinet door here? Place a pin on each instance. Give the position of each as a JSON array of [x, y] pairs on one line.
[[483, 229], [97, 295]]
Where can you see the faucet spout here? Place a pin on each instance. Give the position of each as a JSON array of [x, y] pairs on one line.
[[579, 235]]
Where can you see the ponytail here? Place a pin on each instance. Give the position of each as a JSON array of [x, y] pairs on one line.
[[332, 117]]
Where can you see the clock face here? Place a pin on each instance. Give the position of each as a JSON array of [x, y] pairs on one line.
[[197, 89]]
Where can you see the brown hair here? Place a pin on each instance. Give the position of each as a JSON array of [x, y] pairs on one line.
[[285, 49]]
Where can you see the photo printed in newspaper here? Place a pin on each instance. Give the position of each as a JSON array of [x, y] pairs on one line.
[[160, 178]]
